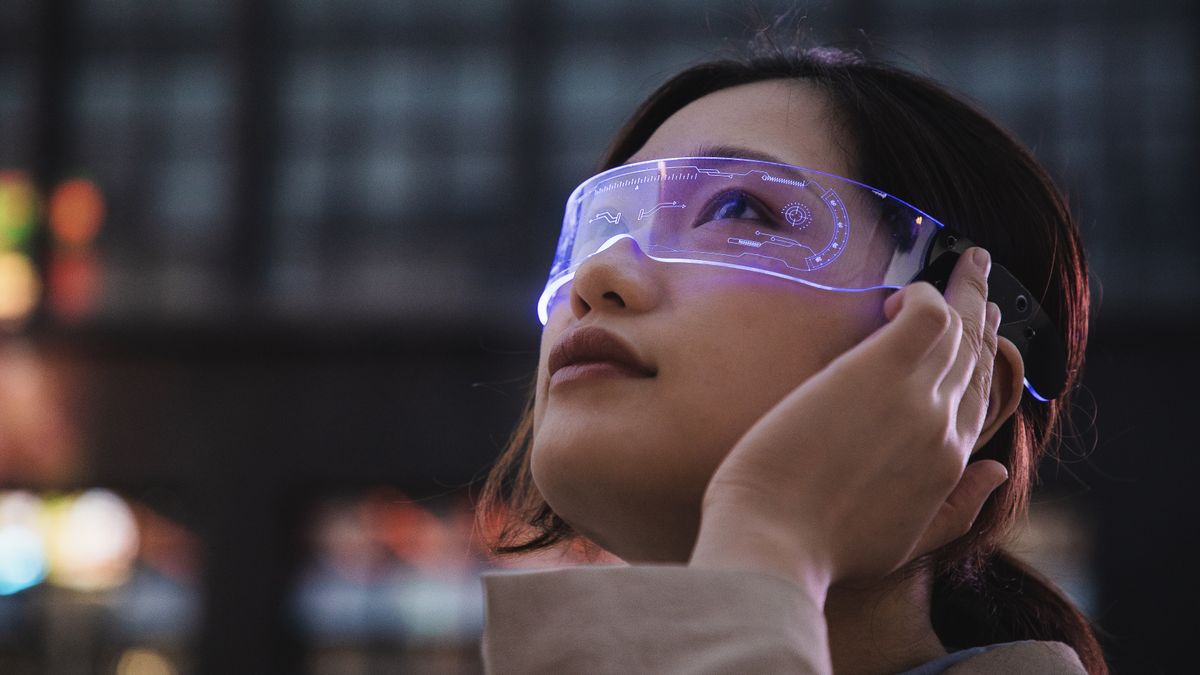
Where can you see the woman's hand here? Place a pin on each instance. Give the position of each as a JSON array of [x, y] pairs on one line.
[[864, 466]]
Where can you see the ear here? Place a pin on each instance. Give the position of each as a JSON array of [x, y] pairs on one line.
[[1008, 384]]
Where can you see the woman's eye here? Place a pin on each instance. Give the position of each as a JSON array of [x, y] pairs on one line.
[[735, 205]]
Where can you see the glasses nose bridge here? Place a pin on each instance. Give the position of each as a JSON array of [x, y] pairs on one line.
[[615, 241]]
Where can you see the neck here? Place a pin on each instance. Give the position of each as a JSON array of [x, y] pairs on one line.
[[883, 627]]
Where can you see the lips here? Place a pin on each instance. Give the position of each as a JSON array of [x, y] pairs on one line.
[[593, 345]]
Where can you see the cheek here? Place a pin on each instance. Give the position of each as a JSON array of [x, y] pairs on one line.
[[733, 382], [752, 349]]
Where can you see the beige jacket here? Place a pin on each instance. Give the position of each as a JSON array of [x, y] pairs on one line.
[[678, 620]]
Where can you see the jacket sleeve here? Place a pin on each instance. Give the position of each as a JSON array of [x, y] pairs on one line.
[[1034, 657], [664, 619]]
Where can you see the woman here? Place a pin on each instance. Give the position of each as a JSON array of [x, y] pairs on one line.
[[801, 480]]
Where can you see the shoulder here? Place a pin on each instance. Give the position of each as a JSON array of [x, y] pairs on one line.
[[1027, 656]]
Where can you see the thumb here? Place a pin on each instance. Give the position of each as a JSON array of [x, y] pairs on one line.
[[957, 514], [893, 302]]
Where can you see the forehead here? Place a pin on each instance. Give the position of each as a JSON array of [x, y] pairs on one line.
[[787, 119]]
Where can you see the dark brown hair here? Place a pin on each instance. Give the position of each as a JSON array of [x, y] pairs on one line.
[[910, 137]]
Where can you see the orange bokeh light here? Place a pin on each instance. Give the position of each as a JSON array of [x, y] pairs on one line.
[[76, 212]]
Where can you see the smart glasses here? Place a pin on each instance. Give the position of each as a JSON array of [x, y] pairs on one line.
[[793, 223]]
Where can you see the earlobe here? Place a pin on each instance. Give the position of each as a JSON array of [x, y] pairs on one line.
[[1008, 385]]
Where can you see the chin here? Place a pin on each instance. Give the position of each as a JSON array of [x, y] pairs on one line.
[[631, 481], [642, 544], [637, 514]]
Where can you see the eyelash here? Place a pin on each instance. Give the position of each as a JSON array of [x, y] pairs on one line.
[[748, 201]]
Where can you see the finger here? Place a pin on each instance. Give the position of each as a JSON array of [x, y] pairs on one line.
[[973, 407], [966, 292], [934, 366], [958, 512], [918, 317]]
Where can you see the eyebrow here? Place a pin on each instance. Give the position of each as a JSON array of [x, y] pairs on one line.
[[735, 152]]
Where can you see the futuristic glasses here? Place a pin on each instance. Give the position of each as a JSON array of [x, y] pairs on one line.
[[793, 223]]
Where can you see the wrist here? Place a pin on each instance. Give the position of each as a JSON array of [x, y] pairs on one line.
[[734, 542]]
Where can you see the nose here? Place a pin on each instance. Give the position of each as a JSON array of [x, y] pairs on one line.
[[617, 279]]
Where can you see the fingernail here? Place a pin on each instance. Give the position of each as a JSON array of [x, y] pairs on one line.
[[982, 258]]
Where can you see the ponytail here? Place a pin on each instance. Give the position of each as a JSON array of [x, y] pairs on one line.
[[1006, 600]]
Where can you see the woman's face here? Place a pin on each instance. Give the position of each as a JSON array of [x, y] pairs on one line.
[[625, 458]]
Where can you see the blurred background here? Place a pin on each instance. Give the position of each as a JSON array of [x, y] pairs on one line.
[[267, 281]]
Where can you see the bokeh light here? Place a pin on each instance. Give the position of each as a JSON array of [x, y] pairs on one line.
[[92, 540], [40, 436], [17, 209], [22, 560], [19, 287], [73, 284], [144, 662], [22, 551], [76, 212]]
